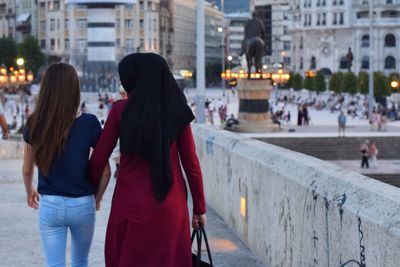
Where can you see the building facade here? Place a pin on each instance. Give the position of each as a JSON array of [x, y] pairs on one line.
[[233, 6], [26, 19], [276, 16], [235, 23], [7, 18], [324, 30], [183, 14]]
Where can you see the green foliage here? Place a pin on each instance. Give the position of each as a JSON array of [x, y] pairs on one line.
[[381, 85], [297, 81], [309, 83], [30, 51], [319, 82], [289, 83], [394, 76], [350, 83], [363, 82], [8, 52], [336, 82]]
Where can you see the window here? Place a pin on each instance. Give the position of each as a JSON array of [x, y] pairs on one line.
[[141, 6], [129, 43], [301, 63], [323, 19], [117, 23], [318, 19], [389, 2], [43, 25], [301, 42], [365, 40], [365, 63], [141, 23], [285, 30], [117, 42], [343, 63], [334, 19], [286, 45], [66, 43], [141, 42], [341, 21], [43, 44], [66, 24], [128, 23], [313, 63], [52, 44], [81, 24], [390, 40], [390, 63], [52, 24]]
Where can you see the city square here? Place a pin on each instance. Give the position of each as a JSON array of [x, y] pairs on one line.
[[296, 119]]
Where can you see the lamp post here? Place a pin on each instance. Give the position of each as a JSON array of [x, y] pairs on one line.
[[396, 85], [200, 64], [222, 31], [371, 63]]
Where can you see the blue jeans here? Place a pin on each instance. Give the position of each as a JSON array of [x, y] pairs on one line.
[[57, 214]]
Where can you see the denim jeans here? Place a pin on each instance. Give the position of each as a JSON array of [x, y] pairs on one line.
[[57, 214]]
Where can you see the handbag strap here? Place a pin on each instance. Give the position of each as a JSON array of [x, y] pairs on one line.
[[207, 245], [198, 235]]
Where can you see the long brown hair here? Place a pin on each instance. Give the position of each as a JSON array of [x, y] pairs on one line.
[[55, 112]]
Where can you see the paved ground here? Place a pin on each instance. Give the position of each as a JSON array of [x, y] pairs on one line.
[[20, 243], [383, 166]]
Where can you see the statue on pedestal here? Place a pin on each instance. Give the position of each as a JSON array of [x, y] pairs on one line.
[[253, 43], [349, 58]]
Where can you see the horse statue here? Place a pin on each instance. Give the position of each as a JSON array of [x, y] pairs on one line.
[[253, 48]]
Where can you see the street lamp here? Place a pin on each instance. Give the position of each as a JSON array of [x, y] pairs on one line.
[[396, 85], [20, 61]]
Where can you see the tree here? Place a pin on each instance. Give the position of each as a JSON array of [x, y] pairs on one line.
[[319, 82], [297, 81], [350, 83], [394, 76], [381, 85], [363, 82], [336, 82], [8, 52], [289, 83], [30, 51], [309, 83]]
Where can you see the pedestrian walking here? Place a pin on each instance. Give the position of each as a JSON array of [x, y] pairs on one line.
[[364, 154], [149, 220], [373, 153], [300, 115], [58, 141], [342, 124], [3, 121]]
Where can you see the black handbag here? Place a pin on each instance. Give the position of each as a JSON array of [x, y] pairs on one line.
[[196, 258]]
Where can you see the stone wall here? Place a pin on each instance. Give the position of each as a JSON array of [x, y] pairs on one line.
[[293, 210], [11, 149]]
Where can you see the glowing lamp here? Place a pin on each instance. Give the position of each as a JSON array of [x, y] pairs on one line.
[[20, 61], [30, 76], [243, 207], [394, 84], [3, 70], [13, 78]]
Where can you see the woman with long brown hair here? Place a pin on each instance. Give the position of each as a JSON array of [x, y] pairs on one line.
[[58, 141], [149, 219]]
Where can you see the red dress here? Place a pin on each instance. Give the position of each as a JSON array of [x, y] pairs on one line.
[[142, 231]]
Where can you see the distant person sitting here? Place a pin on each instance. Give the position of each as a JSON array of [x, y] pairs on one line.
[[231, 122], [342, 124]]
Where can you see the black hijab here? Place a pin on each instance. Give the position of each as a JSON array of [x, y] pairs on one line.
[[155, 115]]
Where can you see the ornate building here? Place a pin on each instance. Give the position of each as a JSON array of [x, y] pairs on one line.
[[7, 18], [324, 30]]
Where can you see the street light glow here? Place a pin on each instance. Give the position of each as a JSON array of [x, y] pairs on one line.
[[394, 84], [20, 61], [230, 58], [220, 29]]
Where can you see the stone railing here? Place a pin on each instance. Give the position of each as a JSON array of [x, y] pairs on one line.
[[295, 210]]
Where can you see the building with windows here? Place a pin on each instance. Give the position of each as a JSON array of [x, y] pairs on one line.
[[94, 35], [324, 30], [276, 16], [7, 18], [235, 23], [233, 6], [183, 14], [26, 19]]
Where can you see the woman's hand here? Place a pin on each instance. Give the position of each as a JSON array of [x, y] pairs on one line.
[[32, 198], [98, 203], [198, 220]]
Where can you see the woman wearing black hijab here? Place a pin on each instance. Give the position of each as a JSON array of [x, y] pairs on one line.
[[149, 221]]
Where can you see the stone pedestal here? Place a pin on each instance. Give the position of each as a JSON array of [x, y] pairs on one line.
[[254, 116]]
